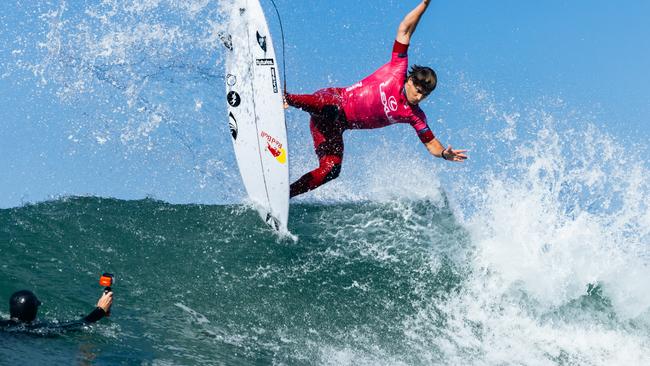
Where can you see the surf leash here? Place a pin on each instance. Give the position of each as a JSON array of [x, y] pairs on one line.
[[284, 59]]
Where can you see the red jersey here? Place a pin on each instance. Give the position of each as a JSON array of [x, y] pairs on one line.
[[379, 100]]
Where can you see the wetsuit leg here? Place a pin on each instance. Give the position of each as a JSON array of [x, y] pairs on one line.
[[328, 141], [325, 103]]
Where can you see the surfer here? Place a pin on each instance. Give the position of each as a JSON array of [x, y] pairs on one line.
[[386, 97], [23, 307]]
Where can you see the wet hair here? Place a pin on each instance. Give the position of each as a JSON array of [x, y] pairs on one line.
[[424, 78]]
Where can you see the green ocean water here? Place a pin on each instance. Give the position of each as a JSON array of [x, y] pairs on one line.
[[212, 285], [393, 283]]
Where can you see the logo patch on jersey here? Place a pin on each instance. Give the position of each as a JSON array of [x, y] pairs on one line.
[[390, 103], [261, 41], [234, 99], [274, 147], [357, 85]]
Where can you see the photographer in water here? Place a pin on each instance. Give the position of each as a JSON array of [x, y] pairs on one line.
[[23, 307]]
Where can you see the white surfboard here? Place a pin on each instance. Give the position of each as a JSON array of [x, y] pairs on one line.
[[256, 113]]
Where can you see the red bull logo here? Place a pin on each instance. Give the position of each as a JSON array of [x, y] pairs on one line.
[[274, 146]]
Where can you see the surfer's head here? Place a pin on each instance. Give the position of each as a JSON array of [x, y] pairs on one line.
[[420, 83], [23, 306]]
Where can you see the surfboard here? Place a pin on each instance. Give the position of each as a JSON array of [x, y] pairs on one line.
[[255, 112]]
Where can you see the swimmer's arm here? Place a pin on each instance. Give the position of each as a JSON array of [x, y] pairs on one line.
[[103, 307], [6, 323], [438, 150], [410, 22]]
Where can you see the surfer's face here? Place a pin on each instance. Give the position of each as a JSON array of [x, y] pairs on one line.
[[414, 94]]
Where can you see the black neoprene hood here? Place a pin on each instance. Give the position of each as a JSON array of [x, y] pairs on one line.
[[23, 305]]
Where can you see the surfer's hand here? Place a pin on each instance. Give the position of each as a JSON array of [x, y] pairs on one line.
[[105, 301], [454, 155]]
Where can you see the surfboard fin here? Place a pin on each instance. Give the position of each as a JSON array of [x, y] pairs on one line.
[[272, 222]]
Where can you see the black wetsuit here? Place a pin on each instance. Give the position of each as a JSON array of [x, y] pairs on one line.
[[49, 327]]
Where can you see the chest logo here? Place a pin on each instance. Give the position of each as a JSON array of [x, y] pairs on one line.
[[390, 103]]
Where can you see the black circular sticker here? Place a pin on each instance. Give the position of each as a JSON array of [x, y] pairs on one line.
[[234, 99]]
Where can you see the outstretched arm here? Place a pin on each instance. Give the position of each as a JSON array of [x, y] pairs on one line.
[[103, 307], [410, 22], [436, 149]]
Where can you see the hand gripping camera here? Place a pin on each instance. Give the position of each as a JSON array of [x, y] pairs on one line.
[[107, 280]]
